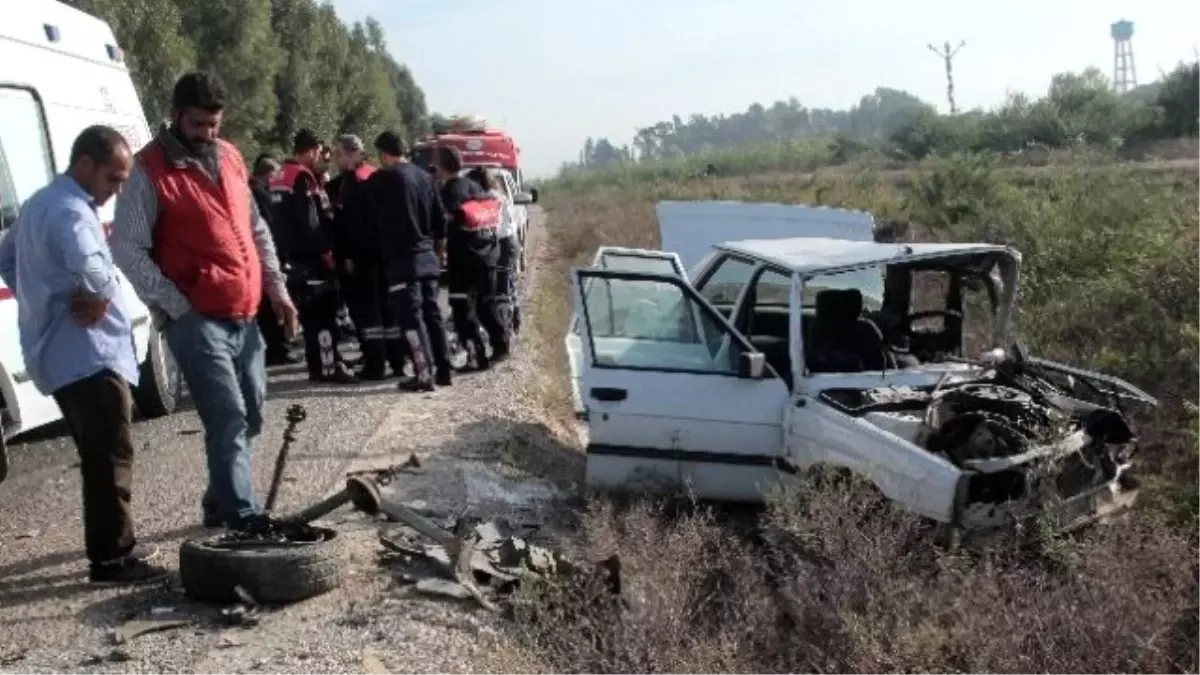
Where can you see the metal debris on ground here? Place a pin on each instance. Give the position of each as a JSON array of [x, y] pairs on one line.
[[295, 415], [158, 621], [485, 562], [244, 614]]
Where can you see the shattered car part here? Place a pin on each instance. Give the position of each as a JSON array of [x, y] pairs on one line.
[[1025, 446], [343, 496], [295, 415]]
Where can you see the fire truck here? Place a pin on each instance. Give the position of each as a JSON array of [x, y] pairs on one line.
[[479, 145], [491, 148]]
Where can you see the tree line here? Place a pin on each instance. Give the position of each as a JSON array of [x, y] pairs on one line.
[[288, 64], [1078, 108]]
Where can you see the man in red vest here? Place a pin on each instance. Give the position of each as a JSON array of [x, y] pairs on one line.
[[355, 245], [195, 249], [303, 212]]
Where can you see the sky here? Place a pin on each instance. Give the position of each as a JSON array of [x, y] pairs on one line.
[[554, 72]]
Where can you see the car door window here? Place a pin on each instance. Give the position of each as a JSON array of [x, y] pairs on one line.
[[633, 262], [654, 322], [724, 284], [25, 160]]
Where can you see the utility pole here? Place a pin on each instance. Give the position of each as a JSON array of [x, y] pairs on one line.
[[948, 55]]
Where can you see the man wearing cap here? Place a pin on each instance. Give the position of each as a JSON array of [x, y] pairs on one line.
[[411, 234], [303, 215], [355, 245]]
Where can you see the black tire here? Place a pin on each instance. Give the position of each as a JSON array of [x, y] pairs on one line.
[[272, 573], [160, 385]]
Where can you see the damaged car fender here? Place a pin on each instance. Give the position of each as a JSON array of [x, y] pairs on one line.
[[902, 471]]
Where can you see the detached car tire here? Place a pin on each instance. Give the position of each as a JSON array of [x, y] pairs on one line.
[[160, 384], [272, 572]]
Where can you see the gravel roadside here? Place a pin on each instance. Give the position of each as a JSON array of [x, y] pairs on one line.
[[473, 440]]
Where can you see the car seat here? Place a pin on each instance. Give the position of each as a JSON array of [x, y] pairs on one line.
[[843, 340]]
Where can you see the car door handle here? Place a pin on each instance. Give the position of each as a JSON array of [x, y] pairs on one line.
[[609, 394]]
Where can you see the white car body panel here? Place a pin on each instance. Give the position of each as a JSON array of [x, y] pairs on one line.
[[674, 431], [74, 83]]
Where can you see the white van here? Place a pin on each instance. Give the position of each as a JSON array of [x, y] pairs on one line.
[[60, 72]]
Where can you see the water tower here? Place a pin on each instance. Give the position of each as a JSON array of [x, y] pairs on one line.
[[1124, 72]]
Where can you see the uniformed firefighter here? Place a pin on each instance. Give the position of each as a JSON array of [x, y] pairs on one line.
[[303, 215], [473, 220], [411, 230], [356, 248], [278, 348], [510, 253]]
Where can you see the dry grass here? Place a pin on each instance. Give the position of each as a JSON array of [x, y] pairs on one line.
[[834, 581]]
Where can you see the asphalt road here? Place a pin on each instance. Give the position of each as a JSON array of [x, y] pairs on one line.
[[51, 619]]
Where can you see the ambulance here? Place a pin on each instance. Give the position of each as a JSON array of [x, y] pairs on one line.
[[61, 70]]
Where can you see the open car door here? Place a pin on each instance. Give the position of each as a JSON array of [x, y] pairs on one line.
[[616, 258], [675, 398]]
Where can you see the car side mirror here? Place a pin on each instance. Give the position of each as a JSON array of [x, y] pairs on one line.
[[751, 365], [523, 198]]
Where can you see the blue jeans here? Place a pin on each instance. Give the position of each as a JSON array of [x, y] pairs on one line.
[[223, 363]]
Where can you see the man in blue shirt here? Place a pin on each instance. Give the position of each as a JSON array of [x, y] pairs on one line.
[[77, 340]]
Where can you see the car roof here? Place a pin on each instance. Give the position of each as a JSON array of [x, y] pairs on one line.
[[808, 255]]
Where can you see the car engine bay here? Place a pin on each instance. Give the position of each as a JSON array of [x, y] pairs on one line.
[[1021, 435]]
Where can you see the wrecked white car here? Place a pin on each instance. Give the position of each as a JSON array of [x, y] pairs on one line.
[[722, 368]]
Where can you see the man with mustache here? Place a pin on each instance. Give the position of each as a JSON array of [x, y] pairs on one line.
[[192, 244]]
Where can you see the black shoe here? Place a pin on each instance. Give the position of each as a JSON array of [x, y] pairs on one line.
[[500, 354], [373, 374], [127, 571], [443, 378], [341, 375], [415, 385], [257, 523]]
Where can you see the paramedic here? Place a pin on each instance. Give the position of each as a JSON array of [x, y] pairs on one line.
[[197, 255], [359, 262], [278, 349], [303, 216], [473, 252], [411, 230], [77, 340]]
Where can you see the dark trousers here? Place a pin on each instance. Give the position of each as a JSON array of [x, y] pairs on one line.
[[473, 306], [379, 333], [317, 302], [507, 295], [272, 332], [414, 303], [98, 411]]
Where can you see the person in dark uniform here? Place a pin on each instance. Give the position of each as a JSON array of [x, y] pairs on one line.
[[278, 347], [473, 220], [302, 215], [411, 231], [355, 245], [510, 253]]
